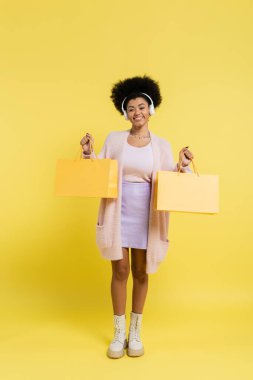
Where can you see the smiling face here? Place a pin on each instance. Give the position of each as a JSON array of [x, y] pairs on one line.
[[138, 112]]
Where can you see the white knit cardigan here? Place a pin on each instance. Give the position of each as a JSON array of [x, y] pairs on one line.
[[108, 227]]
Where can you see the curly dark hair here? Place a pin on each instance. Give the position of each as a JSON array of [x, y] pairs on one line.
[[131, 88]]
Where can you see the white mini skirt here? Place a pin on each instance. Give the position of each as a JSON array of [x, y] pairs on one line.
[[135, 214]]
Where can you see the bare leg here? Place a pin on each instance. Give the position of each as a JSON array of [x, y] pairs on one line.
[[120, 273], [140, 279]]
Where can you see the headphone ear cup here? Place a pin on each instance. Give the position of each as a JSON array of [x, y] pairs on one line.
[[151, 109], [125, 115]]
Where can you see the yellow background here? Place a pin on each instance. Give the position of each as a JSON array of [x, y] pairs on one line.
[[58, 62]]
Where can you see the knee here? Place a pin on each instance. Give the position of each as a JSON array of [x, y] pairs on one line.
[[139, 274], [122, 273]]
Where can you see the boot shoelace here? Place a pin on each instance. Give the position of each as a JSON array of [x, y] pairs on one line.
[[135, 331], [118, 333]]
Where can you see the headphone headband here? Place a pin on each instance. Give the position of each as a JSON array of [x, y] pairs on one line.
[[141, 93]]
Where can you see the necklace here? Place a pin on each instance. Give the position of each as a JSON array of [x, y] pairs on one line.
[[138, 136]]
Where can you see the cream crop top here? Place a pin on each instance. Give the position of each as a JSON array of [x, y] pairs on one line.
[[138, 163]]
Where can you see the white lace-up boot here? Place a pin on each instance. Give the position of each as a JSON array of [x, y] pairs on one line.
[[119, 342], [135, 346]]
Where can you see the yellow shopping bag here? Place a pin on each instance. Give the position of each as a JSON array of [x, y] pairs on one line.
[[87, 178], [186, 192]]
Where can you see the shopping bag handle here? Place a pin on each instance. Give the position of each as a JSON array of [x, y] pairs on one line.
[[193, 164]]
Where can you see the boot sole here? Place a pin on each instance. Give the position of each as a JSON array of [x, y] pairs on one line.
[[131, 352], [117, 354]]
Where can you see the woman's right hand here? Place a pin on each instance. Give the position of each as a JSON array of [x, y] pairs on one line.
[[85, 142]]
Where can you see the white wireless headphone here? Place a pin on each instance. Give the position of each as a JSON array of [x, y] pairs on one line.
[[151, 107]]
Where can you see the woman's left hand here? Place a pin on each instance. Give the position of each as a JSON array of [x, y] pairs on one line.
[[185, 156]]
